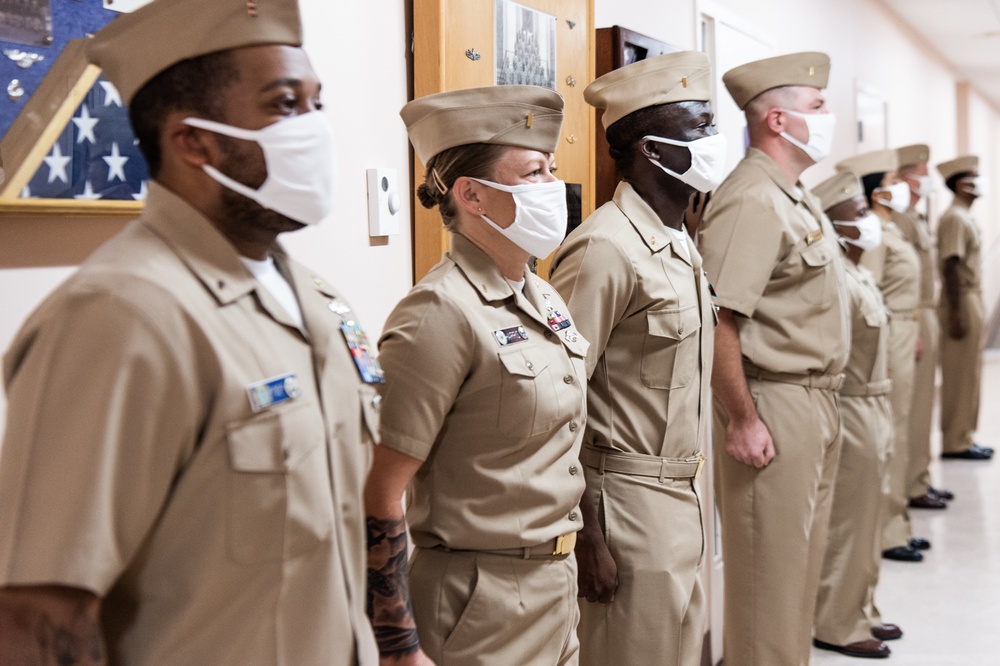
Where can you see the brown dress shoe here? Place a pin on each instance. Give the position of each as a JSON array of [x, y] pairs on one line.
[[868, 649], [927, 501], [887, 632]]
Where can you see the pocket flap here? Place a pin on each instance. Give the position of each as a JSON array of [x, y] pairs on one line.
[[876, 318], [273, 441], [674, 324], [818, 255], [370, 410], [525, 362]]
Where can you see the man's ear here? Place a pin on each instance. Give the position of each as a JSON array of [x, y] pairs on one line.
[[650, 149], [187, 144], [466, 193], [777, 120]]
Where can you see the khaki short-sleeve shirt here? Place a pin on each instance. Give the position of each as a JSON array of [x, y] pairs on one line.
[[135, 464], [958, 236], [774, 259], [487, 387], [895, 265], [644, 305], [869, 360], [915, 230]]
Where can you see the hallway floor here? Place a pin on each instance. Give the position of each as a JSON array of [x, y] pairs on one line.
[[949, 605]]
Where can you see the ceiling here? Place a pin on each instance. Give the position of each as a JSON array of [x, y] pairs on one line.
[[966, 33]]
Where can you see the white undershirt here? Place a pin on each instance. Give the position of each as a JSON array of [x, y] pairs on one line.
[[681, 242], [270, 278], [516, 285]]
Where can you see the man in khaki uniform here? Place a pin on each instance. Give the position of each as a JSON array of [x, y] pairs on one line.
[[915, 228], [181, 473], [641, 298], [896, 269], [780, 348], [484, 402], [844, 621], [961, 312]]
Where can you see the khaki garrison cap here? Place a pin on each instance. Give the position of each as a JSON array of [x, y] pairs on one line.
[[837, 189], [964, 164], [745, 82], [522, 116], [135, 47], [876, 161], [674, 77], [918, 153]]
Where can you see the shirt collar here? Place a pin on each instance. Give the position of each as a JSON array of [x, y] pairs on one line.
[[202, 247], [644, 220], [484, 275]]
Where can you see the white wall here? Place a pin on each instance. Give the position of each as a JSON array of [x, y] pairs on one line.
[[670, 21]]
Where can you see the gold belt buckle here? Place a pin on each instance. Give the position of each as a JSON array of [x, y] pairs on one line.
[[565, 544], [701, 466]]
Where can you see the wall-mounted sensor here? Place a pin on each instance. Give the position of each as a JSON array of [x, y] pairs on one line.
[[383, 202]]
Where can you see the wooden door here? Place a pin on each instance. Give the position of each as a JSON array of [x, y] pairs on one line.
[[454, 48]]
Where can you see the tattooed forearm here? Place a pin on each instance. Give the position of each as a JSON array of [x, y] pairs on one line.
[[388, 591], [43, 626]]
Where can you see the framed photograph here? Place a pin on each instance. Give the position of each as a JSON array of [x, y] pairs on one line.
[[525, 45]]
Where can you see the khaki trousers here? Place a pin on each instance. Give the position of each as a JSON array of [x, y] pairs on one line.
[[774, 524], [961, 373], [844, 609], [922, 406], [654, 532], [476, 608], [897, 530]]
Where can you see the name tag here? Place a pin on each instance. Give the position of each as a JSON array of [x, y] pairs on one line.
[[814, 236], [269, 392], [509, 336]]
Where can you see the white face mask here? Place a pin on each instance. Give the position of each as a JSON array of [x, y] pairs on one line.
[[871, 231], [820, 126], [978, 186], [540, 216], [299, 155], [900, 200], [923, 188], [708, 161]]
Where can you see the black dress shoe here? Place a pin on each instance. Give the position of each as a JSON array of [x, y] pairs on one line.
[[971, 453], [918, 543], [869, 649], [927, 501], [946, 495], [985, 449], [887, 632], [903, 554]]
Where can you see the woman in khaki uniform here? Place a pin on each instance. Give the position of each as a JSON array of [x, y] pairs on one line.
[[896, 268], [484, 404], [844, 622], [642, 299]]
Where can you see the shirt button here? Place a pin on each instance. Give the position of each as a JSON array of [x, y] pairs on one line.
[[572, 426], [548, 334], [572, 515], [572, 470], [529, 365], [568, 379]]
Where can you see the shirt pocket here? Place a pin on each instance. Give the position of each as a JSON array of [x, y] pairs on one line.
[[876, 318], [818, 280], [670, 349], [528, 402], [280, 500]]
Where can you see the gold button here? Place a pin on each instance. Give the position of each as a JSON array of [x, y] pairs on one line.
[[573, 470], [573, 426], [572, 515], [568, 379]]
